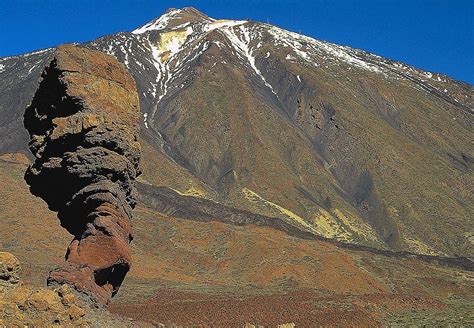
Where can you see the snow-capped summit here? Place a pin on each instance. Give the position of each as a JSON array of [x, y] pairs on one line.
[[270, 120], [174, 18]]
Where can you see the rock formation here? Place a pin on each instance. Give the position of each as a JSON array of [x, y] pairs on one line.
[[83, 124], [9, 270], [25, 305]]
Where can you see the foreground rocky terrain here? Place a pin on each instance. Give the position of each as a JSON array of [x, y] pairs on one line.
[[22, 304], [285, 180]]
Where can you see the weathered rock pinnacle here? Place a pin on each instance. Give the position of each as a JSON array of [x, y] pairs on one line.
[[83, 124]]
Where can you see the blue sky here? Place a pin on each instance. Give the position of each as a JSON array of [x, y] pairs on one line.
[[430, 34]]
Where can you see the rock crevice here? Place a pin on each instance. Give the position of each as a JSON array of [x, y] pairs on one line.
[[84, 124]]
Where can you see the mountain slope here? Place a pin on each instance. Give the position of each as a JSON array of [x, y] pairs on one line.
[[189, 271], [332, 140]]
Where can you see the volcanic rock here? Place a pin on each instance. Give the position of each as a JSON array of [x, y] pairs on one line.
[[24, 305], [9, 270], [83, 126]]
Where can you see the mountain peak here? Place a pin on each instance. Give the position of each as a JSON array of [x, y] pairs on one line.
[[174, 17], [194, 11]]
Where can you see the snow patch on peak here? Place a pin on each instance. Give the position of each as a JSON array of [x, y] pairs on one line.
[[159, 23], [163, 22], [222, 23], [172, 41], [310, 49], [241, 43]]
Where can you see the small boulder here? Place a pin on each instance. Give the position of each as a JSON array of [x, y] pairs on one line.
[[9, 270]]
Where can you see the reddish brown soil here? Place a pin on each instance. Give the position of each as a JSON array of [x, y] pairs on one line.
[[304, 308], [184, 308]]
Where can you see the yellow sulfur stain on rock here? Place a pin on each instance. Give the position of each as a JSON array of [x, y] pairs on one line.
[[361, 228], [324, 224], [170, 42], [418, 246], [470, 237], [335, 225], [327, 226], [254, 197], [192, 191]]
